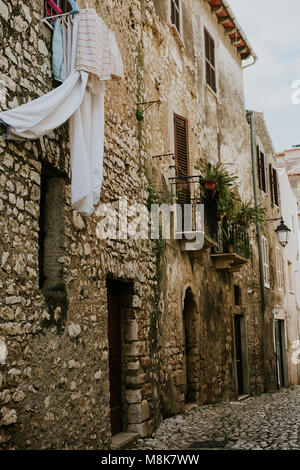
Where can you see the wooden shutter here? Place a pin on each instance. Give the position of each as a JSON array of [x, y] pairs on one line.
[[264, 172], [181, 145], [271, 183], [275, 186], [259, 168], [182, 158]]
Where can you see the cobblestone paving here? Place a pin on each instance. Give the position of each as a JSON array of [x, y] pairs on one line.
[[269, 421]]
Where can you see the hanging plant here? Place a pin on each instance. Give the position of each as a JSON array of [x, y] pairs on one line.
[[231, 210], [139, 114]]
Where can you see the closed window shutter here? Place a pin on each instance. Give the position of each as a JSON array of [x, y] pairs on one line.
[[264, 172], [276, 187], [271, 183], [259, 167], [182, 158]]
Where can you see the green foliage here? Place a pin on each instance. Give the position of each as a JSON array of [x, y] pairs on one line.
[[248, 214], [139, 114], [230, 209], [155, 196], [218, 174]]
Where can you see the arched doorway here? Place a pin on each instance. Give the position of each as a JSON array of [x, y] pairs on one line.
[[190, 347]]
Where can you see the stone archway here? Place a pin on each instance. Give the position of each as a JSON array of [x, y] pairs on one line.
[[190, 347]]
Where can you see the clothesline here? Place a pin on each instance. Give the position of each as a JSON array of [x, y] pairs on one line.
[[44, 20]]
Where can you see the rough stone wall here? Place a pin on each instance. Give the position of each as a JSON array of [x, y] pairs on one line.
[[54, 389]]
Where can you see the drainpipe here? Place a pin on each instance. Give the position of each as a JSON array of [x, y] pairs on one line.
[[250, 117]]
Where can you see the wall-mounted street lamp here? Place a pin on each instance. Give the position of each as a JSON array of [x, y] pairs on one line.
[[282, 232]]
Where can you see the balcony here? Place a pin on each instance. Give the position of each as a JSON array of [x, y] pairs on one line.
[[232, 251], [196, 223]]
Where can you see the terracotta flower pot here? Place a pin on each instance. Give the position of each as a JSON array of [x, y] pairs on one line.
[[210, 185]]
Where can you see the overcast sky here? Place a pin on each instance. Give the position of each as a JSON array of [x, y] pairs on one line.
[[273, 30]]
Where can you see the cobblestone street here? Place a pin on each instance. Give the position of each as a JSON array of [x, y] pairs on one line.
[[267, 422]]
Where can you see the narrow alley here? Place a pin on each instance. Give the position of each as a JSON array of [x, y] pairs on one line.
[[270, 421]]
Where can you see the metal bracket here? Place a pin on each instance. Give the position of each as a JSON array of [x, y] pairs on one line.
[[164, 155], [148, 104]]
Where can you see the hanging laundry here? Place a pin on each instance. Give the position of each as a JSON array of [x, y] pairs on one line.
[[53, 6], [80, 99], [58, 59], [97, 50], [116, 63], [74, 6]]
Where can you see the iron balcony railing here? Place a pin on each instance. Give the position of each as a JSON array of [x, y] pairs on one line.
[[189, 190], [235, 241]]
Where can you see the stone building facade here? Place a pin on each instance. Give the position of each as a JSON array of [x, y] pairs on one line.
[[281, 323], [55, 384], [67, 298]]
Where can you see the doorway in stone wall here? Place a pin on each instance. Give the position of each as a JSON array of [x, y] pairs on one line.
[[115, 355], [119, 304], [241, 356], [280, 353], [189, 338]]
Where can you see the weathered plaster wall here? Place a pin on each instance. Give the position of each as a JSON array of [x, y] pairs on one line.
[[291, 255], [273, 295], [218, 130]]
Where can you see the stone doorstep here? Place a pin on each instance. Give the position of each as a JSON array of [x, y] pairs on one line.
[[189, 407], [243, 397], [123, 439]]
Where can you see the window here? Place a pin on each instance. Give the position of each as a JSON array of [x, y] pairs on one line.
[[210, 61], [56, 7], [274, 187], [279, 269], [291, 277], [175, 14], [262, 170], [265, 250], [237, 296]]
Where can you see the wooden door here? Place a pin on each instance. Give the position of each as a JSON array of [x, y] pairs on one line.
[[238, 353], [279, 352], [115, 351]]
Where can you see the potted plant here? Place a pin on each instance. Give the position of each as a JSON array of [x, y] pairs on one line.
[[216, 176], [233, 214]]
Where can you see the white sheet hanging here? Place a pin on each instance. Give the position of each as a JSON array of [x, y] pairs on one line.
[[81, 99], [87, 138], [38, 117]]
